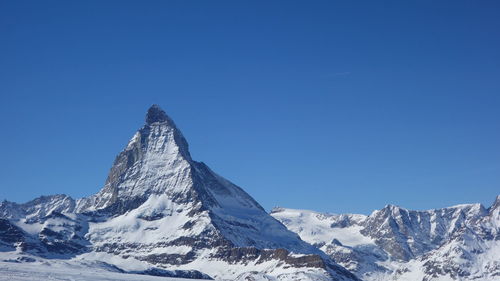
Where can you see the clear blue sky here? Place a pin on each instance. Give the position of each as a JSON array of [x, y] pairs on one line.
[[338, 106]]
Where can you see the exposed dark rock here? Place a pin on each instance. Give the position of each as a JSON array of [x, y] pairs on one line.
[[9, 233], [156, 114]]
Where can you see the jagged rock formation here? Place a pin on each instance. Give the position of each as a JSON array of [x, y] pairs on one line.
[[161, 208], [455, 243]]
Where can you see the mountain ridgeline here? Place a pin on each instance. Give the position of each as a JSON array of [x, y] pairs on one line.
[[162, 213], [163, 210], [455, 243]]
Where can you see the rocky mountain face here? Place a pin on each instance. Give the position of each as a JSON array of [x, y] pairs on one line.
[[455, 243], [162, 213]]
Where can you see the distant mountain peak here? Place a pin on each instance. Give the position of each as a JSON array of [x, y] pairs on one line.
[[392, 207], [156, 114]]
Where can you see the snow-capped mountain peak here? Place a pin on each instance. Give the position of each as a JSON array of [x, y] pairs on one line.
[[160, 207], [160, 212]]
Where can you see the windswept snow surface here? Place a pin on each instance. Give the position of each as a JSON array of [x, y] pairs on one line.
[[12, 271]]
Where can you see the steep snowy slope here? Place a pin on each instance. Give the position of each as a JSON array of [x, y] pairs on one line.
[[471, 253], [161, 207], [455, 243]]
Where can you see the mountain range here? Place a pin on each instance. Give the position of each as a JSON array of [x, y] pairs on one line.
[[162, 213], [456, 243]]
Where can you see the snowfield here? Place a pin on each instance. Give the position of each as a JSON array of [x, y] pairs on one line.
[[13, 271]]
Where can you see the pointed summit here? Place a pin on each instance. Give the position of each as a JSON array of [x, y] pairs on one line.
[[161, 208], [156, 114]]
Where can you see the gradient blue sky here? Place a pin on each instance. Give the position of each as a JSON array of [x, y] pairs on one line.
[[338, 106]]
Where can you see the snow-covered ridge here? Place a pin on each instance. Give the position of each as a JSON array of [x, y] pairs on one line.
[[454, 243]]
